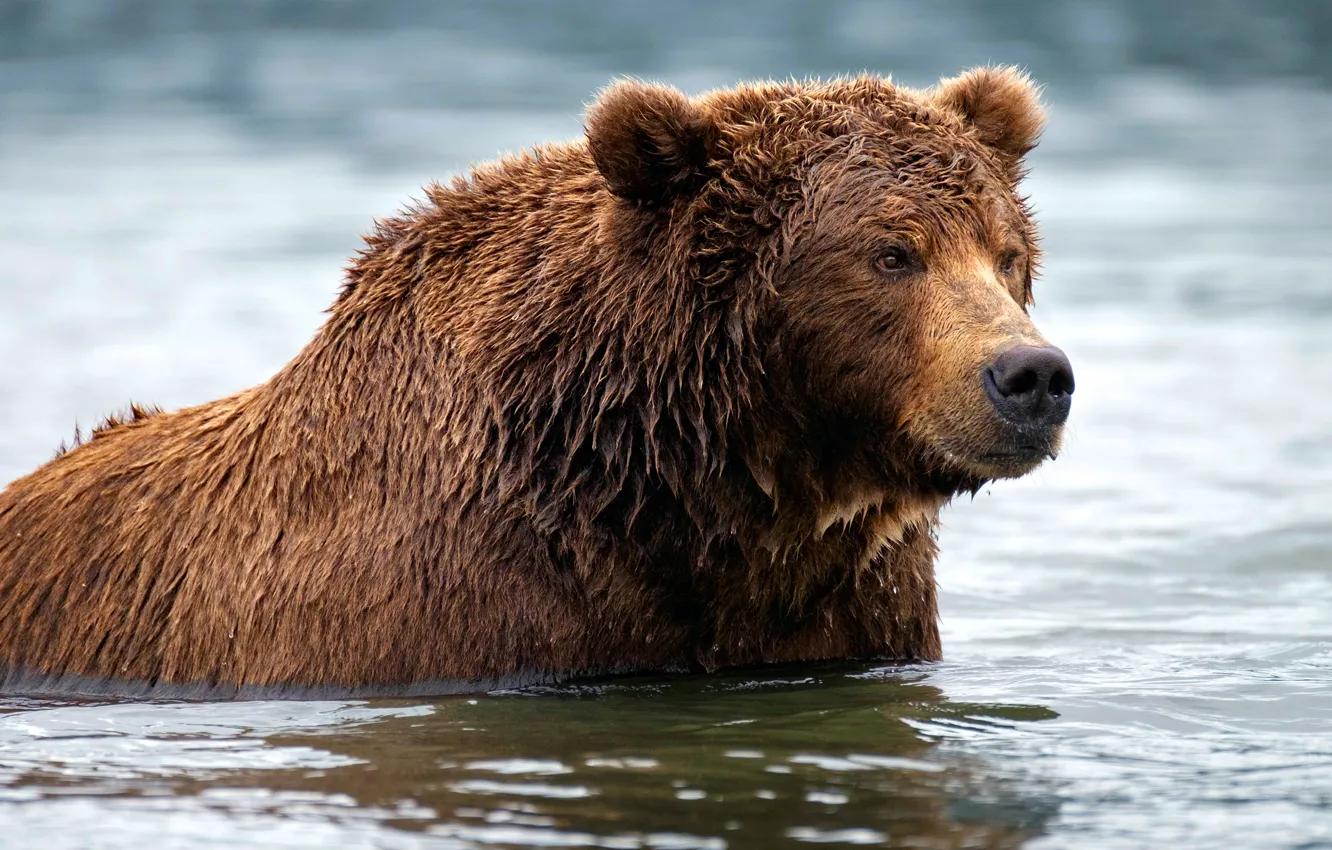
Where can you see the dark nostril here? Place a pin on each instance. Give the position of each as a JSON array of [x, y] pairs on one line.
[[1019, 382], [1061, 382]]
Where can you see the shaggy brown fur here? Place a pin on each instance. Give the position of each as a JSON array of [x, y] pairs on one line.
[[655, 401]]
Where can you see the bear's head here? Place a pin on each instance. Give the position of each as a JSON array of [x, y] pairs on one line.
[[875, 239]]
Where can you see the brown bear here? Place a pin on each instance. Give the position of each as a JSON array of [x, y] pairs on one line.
[[689, 393]]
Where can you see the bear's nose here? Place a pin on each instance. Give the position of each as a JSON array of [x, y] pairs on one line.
[[1031, 385]]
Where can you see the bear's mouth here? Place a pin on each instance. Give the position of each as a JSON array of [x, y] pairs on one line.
[[1012, 456], [1023, 454], [1026, 456]]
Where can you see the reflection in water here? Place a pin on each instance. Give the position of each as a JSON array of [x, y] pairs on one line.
[[822, 754], [135, 741]]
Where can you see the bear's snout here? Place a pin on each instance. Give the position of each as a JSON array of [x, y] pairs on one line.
[[1030, 386]]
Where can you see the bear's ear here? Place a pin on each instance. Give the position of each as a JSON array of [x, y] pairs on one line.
[[650, 142], [1002, 104]]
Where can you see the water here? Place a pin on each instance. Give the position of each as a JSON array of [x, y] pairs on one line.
[[1139, 636]]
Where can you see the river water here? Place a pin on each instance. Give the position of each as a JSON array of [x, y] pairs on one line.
[[1138, 636]]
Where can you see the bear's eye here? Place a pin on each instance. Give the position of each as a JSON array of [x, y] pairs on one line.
[[893, 260], [1008, 263]]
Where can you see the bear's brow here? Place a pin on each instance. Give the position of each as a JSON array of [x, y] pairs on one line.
[[992, 217]]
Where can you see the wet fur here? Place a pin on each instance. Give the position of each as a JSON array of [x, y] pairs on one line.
[[575, 413]]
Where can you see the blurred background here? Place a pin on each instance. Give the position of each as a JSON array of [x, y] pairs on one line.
[[182, 181]]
